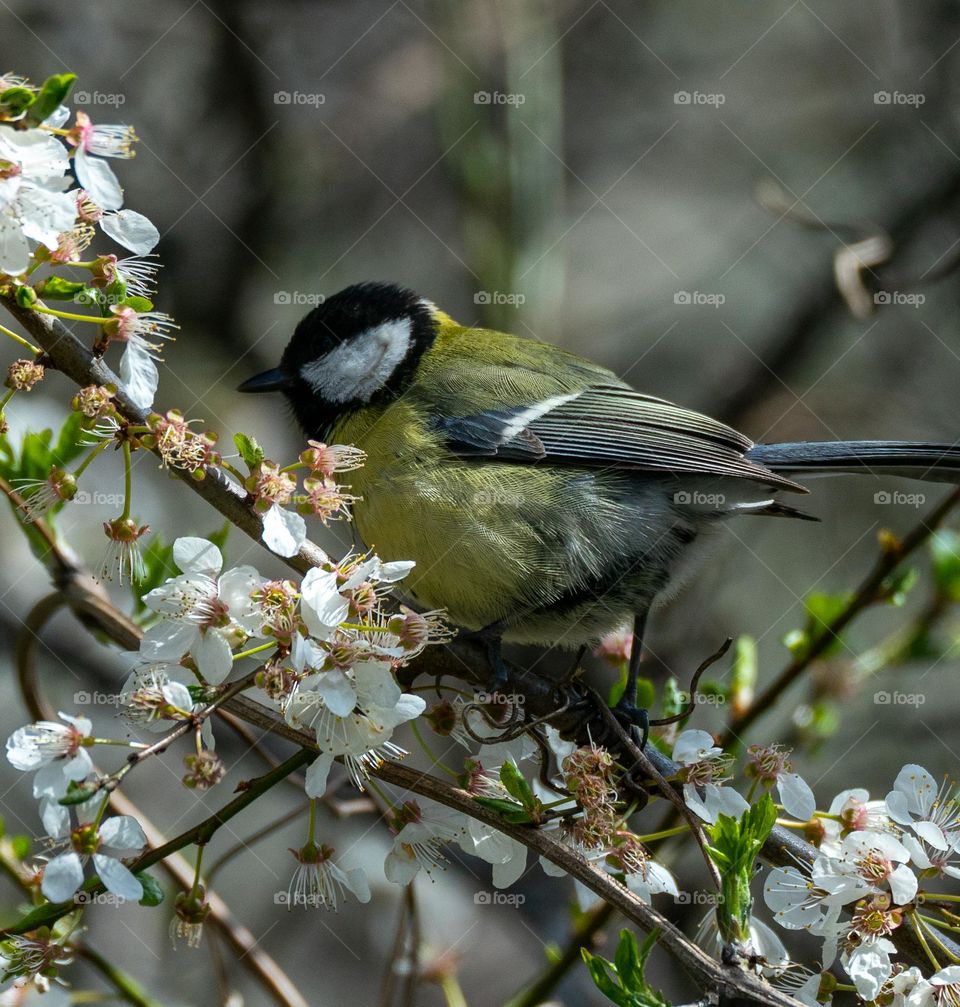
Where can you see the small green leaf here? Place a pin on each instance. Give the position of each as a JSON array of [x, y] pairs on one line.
[[250, 450], [77, 793], [52, 94], [623, 981], [56, 288], [153, 893], [20, 846], [138, 304], [16, 100], [516, 785], [945, 553]]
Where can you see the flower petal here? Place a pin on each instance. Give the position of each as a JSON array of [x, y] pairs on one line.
[[117, 878], [62, 877], [284, 531], [123, 832], [97, 177], [197, 555], [130, 229], [213, 656], [796, 797]]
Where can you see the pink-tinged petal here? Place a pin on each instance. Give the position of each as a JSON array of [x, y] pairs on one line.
[[317, 773], [123, 832], [284, 531], [117, 878], [130, 229], [197, 556], [213, 656], [62, 877]]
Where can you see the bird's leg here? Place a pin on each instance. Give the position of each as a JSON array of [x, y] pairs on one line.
[[636, 716], [491, 638]]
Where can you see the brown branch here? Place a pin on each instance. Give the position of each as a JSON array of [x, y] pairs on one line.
[[869, 592]]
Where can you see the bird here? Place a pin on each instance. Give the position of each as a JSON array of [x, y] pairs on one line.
[[543, 499]]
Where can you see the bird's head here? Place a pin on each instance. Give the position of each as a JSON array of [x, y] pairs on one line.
[[358, 347]]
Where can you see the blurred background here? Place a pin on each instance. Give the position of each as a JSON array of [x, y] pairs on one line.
[[661, 187]]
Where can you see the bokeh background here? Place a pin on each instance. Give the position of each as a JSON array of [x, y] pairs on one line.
[[662, 187]]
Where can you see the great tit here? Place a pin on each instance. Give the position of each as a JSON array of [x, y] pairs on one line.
[[543, 499]]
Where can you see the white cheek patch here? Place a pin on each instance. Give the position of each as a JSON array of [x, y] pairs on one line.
[[357, 369]]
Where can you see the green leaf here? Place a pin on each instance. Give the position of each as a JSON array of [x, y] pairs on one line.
[[77, 794], [56, 288], [514, 814], [623, 981], [945, 553], [53, 92], [20, 846], [516, 785], [16, 100], [897, 586], [250, 450], [674, 698], [138, 304], [158, 566], [153, 893], [735, 844]]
